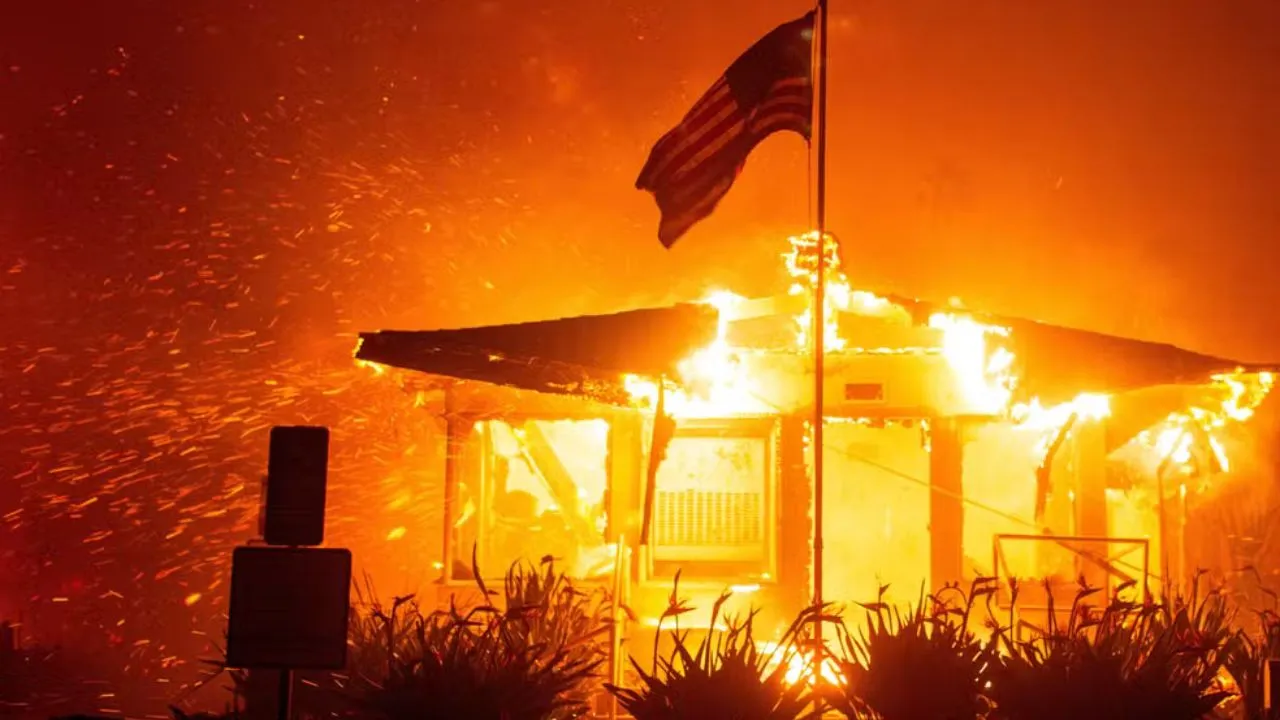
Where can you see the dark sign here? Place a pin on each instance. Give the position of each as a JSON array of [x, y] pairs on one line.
[[289, 608], [864, 392], [297, 473]]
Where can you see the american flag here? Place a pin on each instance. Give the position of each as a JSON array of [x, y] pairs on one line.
[[767, 89]]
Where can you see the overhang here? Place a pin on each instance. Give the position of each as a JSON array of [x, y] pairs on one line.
[[588, 356]]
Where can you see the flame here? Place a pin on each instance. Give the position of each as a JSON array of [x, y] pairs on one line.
[[985, 375], [837, 294], [800, 664], [713, 382], [376, 368], [1048, 421], [1086, 406], [716, 382], [1244, 397], [1173, 440]]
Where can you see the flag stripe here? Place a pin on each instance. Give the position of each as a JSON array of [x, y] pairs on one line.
[[677, 158], [782, 113], [697, 120], [689, 192], [695, 123], [690, 156], [682, 198], [681, 212], [676, 225]]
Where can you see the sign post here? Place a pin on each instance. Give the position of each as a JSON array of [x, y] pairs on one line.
[[291, 600]]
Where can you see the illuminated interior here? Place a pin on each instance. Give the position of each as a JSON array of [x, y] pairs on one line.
[[541, 491], [714, 509]]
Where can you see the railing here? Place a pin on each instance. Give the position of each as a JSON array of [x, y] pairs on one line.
[[1113, 565]]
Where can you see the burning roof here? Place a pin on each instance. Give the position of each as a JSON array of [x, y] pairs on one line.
[[1059, 363], [733, 355], [590, 355]]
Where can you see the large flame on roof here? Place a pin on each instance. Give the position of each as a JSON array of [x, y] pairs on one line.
[[714, 382]]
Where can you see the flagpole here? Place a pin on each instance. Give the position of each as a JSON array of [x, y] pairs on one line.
[[819, 325]]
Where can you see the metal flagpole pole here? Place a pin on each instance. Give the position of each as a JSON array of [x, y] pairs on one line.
[[819, 323]]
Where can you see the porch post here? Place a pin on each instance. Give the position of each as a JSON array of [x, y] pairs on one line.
[[946, 501], [457, 430], [1091, 496], [625, 479]]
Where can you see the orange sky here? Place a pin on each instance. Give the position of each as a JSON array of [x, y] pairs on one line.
[[1107, 168]]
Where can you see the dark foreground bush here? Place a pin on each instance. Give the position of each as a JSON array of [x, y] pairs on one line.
[[1119, 662], [534, 656], [1246, 659], [922, 664], [725, 675], [535, 648], [44, 680]]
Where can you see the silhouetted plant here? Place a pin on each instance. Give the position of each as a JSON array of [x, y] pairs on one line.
[[924, 664], [44, 679], [1195, 631], [1246, 657], [179, 714], [1122, 661], [725, 675], [537, 658]]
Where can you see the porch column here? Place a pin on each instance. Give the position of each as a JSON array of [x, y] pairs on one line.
[[458, 465], [1091, 497], [946, 501], [625, 475]]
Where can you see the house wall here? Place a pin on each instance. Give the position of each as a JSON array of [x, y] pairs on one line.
[[1000, 488], [876, 514], [881, 510]]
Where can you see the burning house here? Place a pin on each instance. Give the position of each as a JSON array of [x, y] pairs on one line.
[[637, 445]]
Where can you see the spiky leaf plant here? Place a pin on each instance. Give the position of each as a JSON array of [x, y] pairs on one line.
[[544, 611], [923, 664], [1246, 659], [1117, 662], [468, 668], [725, 675], [178, 713], [45, 681], [534, 659], [1195, 632]]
